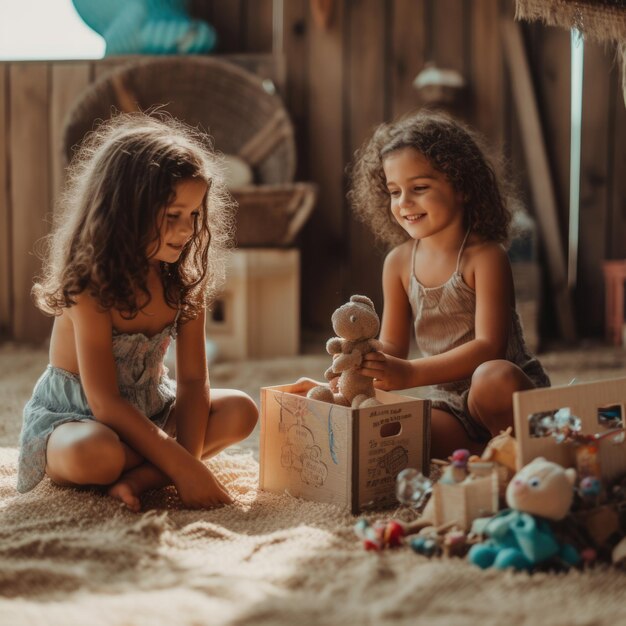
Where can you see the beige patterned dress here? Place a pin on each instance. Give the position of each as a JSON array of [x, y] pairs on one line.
[[444, 318]]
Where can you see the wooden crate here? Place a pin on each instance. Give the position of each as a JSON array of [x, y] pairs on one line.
[[584, 400], [464, 502], [258, 313], [329, 453]]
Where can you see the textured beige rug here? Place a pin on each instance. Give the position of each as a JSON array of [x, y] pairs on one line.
[[74, 558]]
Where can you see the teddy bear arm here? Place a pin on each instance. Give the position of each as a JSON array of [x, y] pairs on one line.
[[330, 374], [347, 361], [334, 345], [376, 345]]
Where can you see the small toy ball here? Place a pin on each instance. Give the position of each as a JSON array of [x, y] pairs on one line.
[[590, 487], [365, 531], [460, 457], [456, 472], [454, 536], [380, 535], [424, 545], [393, 534], [589, 556]]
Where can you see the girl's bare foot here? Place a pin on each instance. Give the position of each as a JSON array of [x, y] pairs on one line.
[[122, 490]]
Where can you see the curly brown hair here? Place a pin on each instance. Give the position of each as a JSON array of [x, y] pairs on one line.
[[124, 173], [452, 149]]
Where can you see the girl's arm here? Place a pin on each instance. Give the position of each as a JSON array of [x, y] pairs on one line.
[[494, 300], [93, 332], [193, 400], [395, 329]]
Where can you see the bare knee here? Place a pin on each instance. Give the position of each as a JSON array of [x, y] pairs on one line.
[[491, 393], [448, 435], [247, 413], [233, 417], [93, 455], [494, 379]]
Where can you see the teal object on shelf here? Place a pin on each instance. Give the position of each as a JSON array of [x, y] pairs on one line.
[[147, 26]]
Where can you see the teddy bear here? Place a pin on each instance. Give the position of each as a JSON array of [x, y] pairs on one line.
[[521, 537], [356, 324]]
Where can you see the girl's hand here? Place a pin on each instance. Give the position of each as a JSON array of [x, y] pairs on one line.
[[198, 488], [389, 372]]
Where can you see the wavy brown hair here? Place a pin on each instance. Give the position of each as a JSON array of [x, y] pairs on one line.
[[124, 173], [452, 149]]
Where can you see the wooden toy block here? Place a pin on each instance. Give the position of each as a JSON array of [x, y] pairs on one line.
[[462, 503], [258, 312], [330, 453], [587, 401]]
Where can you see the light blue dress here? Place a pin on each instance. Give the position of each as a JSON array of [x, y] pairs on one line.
[[59, 397]]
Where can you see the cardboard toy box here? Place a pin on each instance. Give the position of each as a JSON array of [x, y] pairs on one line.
[[329, 453], [591, 402]]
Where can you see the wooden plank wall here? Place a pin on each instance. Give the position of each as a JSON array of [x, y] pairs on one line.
[[34, 100], [340, 83], [365, 63]]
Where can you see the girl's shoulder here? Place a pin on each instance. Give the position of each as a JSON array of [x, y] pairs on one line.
[[86, 303], [397, 266], [401, 255], [87, 311], [480, 251], [484, 258]]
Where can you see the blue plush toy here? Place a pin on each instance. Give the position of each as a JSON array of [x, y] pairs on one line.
[[521, 537], [146, 26]]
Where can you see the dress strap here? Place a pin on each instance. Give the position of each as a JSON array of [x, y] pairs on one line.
[[178, 312], [458, 259], [412, 273], [174, 325], [177, 315]]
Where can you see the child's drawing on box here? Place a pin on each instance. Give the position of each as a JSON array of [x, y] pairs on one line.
[[424, 185], [135, 254]]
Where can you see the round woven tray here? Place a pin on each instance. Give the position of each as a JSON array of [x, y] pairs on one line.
[[272, 215], [221, 98]]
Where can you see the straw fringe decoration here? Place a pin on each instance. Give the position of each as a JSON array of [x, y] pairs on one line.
[[599, 20]]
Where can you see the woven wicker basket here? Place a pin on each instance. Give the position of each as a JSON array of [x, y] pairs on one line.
[[223, 99], [272, 215]]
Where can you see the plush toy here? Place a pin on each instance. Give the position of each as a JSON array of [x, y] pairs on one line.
[[356, 324], [502, 450], [521, 537], [456, 472]]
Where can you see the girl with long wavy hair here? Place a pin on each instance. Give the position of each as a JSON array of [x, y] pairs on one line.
[[424, 186], [135, 255]]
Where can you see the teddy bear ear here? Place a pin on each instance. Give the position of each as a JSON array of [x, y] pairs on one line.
[[570, 474], [362, 300]]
